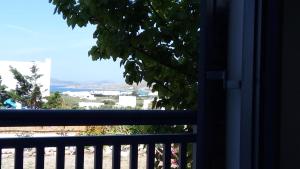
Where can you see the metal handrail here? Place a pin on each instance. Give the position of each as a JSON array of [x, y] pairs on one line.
[[95, 117]]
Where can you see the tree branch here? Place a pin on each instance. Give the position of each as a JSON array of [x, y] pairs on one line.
[[165, 87], [149, 56], [163, 20], [172, 67], [155, 12]]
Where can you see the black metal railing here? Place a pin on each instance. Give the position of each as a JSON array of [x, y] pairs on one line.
[[98, 117]]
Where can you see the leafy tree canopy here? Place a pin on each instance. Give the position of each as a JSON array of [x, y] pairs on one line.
[[55, 101], [28, 91], [3, 92], [155, 40]]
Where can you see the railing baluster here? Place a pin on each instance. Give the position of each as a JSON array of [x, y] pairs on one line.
[[98, 157], [60, 157], [167, 156], [116, 156], [0, 157], [182, 155], [79, 157], [19, 155], [150, 156], [99, 141], [40, 158], [133, 156]]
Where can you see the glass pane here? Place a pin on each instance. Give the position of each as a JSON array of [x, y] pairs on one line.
[[97, 63], [131, 55]]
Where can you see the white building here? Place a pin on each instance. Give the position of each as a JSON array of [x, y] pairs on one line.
[[44, 68], [153, 94], [147, 104], [106, 92], [127, 101], [89, 105], [82, 95]]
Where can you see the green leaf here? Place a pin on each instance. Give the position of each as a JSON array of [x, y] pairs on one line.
[[155, 40]]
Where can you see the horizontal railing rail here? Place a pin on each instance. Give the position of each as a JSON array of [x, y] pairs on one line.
[[29, 142], [95, 117]]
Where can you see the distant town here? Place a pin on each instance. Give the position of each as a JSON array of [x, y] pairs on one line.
[[106, 95], [74, 95]]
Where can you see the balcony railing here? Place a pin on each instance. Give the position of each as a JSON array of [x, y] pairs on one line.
[[98, 117]]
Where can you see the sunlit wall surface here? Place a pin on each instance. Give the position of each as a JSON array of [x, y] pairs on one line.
[[44, 68]]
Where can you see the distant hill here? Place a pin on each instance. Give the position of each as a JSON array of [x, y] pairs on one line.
[[58, 82], [101, 85]]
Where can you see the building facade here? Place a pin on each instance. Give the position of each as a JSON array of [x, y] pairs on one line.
[[127, 101], [44, 68]]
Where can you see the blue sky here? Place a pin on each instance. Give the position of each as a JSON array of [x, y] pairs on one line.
[[29, 31]]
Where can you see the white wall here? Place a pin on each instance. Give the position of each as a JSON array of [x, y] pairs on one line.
[[82, 95], [147, 104], [107, 92], [24, 68], [127, 101], [88, 105]]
